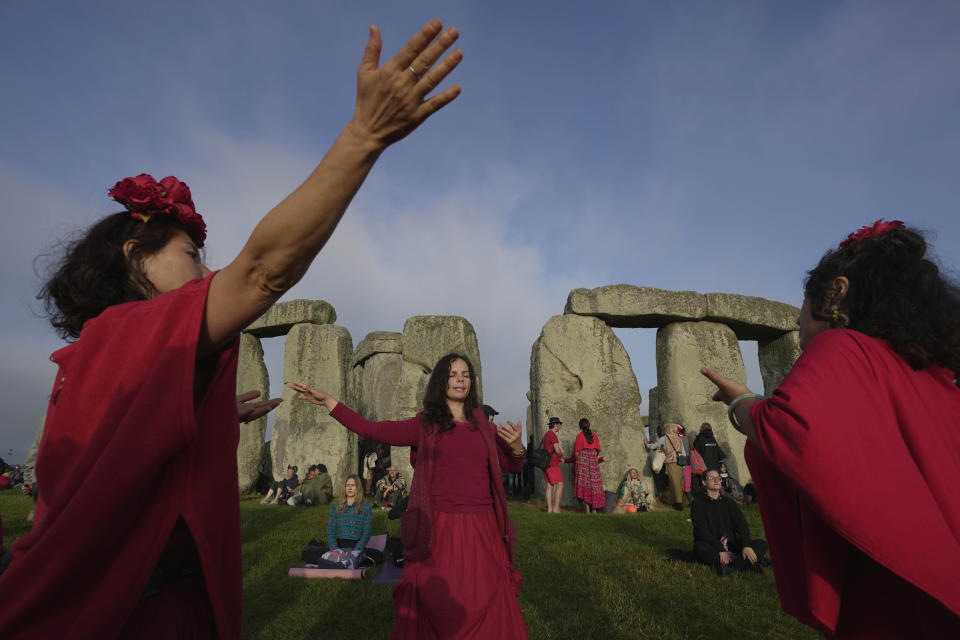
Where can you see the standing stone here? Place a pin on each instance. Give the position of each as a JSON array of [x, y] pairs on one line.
[[251, 376], [653, 408], [426, 339], [777, 356], [685, 395], [376, 380], [303, 433], [579, 369]]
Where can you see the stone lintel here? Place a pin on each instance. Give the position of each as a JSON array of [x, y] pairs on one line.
[[377, 342], [280, 318]]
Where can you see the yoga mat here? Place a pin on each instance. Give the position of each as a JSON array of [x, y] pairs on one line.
[[307, 572], [389, 573]]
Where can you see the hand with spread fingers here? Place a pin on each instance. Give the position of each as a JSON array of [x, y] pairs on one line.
[[392, 99], [511, 435], [248, 411], [314, 396]]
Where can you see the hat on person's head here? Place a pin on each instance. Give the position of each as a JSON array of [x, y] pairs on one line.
[[292, 466], [553, 421], [489, 411]]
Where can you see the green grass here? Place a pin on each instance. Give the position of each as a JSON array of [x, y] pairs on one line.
[[585, 577]]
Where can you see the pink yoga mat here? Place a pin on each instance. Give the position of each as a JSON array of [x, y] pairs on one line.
[[307, 572]]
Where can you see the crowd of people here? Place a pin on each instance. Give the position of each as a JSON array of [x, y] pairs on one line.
[[152, 361]]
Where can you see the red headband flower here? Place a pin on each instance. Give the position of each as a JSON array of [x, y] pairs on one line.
[[865, 233], [144, 197]]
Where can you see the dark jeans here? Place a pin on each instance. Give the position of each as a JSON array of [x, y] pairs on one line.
[[705, 553]]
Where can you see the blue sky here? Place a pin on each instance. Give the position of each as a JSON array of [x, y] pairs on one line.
[[712, 146]]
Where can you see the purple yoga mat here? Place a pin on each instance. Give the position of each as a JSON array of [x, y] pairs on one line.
[[389, 573]]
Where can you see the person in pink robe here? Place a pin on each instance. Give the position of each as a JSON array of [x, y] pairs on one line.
[[458, 581]]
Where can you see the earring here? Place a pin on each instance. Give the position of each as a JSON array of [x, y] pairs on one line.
[[838, 317]]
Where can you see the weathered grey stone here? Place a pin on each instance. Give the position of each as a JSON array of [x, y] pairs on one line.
[[579, 369], [653, 408], [407, 402], [279, 319], [377, 342], [625, 305], [777, 356], [685, 395], [251, 376], [426, 339], [751, 318], [303, 433]]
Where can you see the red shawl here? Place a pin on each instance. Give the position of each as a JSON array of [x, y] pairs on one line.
[[857, 466], [129, 446]]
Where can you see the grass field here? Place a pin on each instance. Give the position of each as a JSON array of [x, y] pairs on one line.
[[585, 577]]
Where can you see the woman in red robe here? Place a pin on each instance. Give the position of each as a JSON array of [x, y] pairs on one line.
[[458, 540], [137, 532], [854, 455], [587, 479]]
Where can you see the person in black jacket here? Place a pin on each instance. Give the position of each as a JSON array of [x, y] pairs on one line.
[[708, 447], [721, 536]]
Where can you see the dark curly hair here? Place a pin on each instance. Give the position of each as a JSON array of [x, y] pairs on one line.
[[896, 293], [436, 413], [93, 273]]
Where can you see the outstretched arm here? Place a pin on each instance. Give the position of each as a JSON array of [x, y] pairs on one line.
[[727, 390], [391, 102], [399, 433]]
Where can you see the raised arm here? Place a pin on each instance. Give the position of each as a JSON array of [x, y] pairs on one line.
[[397, 433], [391, 102]]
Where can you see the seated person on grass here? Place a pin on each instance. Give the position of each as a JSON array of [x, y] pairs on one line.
[[390, 488], [721, 536], [281, 491], [317, 488], [631, 494], [351, 517], [298, 494]]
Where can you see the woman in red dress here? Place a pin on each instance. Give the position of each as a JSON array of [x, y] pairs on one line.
[[144, 406], [458, 540], [873, 397], [587, 480]]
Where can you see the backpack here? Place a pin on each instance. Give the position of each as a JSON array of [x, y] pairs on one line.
[[539, 458]]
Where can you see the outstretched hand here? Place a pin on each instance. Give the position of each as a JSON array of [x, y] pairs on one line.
[[511, 434], [249, 411], [314, 396], [727, 388], [392, 99]]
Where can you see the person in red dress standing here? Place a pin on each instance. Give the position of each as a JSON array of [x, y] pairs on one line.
[[552, 475], [458, 540], [587, 480], [135, 533], [874, 396]]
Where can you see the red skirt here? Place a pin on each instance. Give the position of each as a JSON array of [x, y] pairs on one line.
[[552, 475], [466, 589], [588, 483]]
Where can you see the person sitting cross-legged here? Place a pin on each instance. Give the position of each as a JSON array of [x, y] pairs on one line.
[[350, 518], [390, 488], [721, 536]]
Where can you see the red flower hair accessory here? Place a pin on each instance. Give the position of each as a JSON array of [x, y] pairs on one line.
[[144, 197], [865, 233]]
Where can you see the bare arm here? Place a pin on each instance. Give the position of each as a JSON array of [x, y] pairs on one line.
[[391, 103], [727, 390]]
